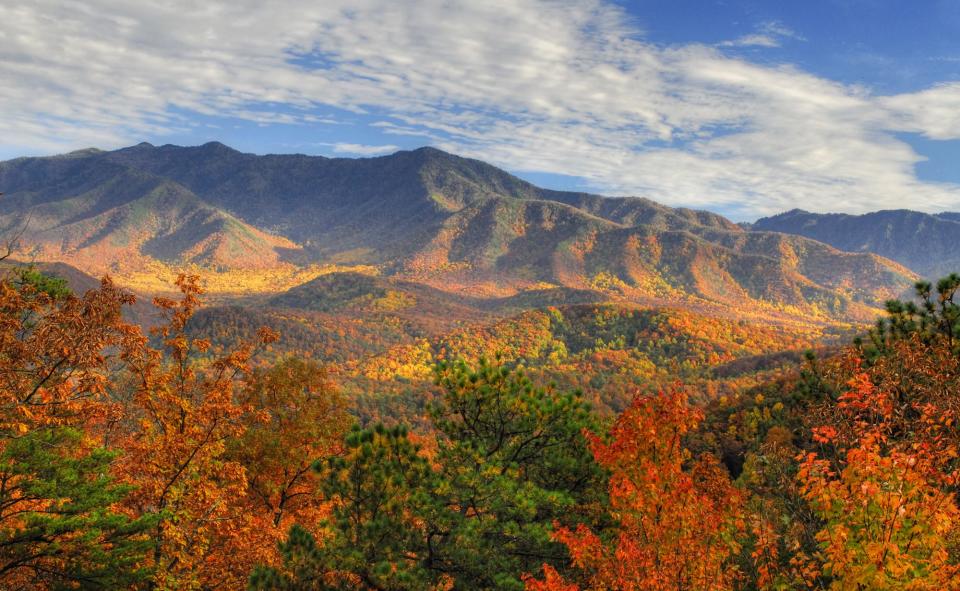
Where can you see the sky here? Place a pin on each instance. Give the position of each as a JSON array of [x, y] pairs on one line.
[[747, 108]]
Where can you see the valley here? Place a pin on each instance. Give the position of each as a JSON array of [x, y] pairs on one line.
[[382, 267]]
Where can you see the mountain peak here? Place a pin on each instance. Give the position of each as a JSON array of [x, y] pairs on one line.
[[216, 146], [83, 152], [430, 150], [428, 154]]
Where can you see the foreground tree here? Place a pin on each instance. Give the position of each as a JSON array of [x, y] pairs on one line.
[[887, 491], [515, 461], [933, 317], [58, 525], [296, 415], [510, 459], [182, 413], [675, 526], [383, 493], [885, 477]]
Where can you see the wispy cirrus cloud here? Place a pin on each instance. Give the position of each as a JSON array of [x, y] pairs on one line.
[[767, 34], [363, 150], [752, 40], [567, 86]]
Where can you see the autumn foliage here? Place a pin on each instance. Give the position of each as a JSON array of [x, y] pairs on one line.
[[676, 519], [59, 526], [163, 461], [133, 461], [887, 496]]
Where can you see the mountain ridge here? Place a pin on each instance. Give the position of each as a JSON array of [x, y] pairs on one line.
[[926, 243], [451, 223]]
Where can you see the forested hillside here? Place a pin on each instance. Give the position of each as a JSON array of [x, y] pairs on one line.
[[420, 372], [593, 446]]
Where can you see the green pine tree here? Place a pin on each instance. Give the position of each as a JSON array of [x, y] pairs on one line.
[[57, 527], [511, 460]]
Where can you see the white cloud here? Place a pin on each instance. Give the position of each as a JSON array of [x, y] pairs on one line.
[[363, 150], [934, 113], [768, 34], [754, 40], [565, 86]]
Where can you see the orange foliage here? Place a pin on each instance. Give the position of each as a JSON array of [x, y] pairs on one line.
[[674, 526], [53, 370], [888, 501], [219, 450], [54, 380], [181, 420], [298, 417]]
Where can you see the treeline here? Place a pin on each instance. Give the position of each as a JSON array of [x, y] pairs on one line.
[[162, 461]]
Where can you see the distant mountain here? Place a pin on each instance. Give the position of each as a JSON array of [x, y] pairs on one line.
[[425, 217], [929, 244], [104, 216]]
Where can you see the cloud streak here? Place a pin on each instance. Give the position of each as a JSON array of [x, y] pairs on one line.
[[567, 86], [768, 34], [363, 150]]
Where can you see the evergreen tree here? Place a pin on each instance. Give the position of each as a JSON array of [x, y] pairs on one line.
[[58, 525], [383, 489], [510, 461], [934, 314], [516, 462]]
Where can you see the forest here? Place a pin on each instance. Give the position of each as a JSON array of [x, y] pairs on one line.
[[158, 459]]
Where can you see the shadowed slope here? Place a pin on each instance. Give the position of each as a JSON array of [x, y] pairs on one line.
[[927, 244]]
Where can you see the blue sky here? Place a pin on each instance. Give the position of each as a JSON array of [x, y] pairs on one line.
[[892, 46], [746, 108]]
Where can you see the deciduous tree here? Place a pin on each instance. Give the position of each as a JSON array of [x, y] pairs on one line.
[[887, 496], [183, 414], [676, 519]]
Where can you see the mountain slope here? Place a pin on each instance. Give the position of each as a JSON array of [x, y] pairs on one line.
[[106, 217], [925, 243], [370, 210], [502, 246]]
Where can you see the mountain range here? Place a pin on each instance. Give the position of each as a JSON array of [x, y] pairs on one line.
[[451, 226], [928, 244]]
